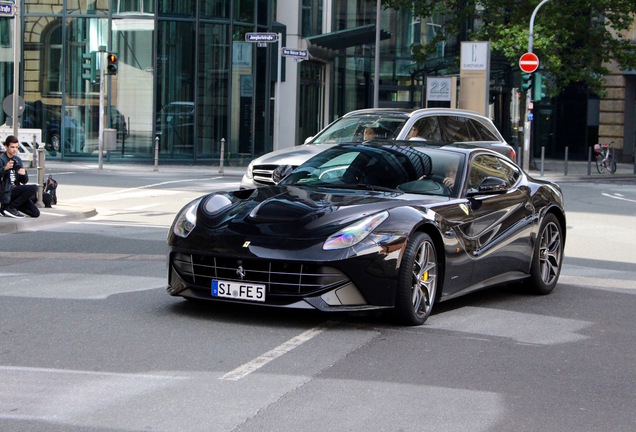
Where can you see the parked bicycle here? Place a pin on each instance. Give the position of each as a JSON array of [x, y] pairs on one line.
[[605, 161]]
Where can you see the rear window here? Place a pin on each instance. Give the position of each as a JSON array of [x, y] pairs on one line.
[[484, 134], [459, 129], [427, 129]]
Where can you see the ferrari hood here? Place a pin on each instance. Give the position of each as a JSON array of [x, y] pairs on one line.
[[293, 212]]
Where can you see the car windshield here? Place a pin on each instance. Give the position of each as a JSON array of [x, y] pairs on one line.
[[361, 128], [395, 167], [178, 108]]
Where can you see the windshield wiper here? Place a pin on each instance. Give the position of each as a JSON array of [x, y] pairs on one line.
[[364, 186]]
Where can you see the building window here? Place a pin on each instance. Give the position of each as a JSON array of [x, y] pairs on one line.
[[135, 6], [311, 24], [52, 61], [5, 33], [215, 8]]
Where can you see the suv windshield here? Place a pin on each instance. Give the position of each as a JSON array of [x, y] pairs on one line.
[[361, 128]]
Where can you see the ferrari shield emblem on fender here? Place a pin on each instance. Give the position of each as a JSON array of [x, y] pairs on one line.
[[464, 207], [246, 244]]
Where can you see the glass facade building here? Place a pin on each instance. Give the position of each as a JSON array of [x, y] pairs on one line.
[[188, 80], [185, 75]]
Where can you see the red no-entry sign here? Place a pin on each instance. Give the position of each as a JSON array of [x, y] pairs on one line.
[[529, 62]]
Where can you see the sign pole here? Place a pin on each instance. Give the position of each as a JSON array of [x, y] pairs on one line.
[[526, 124], [277, 101], [376, 60], [102, 60], [17, 47], [262, 39]]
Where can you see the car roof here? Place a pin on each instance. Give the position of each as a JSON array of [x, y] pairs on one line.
[[463, 148], [398, 112]]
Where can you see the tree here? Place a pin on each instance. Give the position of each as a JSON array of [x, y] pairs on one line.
[[575, 40]]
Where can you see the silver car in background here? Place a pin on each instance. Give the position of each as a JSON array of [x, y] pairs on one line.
[[439, 125]]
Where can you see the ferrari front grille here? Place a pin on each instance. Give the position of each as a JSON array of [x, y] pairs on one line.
[[281, 278]]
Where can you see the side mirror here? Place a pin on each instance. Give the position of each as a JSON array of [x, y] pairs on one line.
[[489, 186], [281, 172], [309, 138]]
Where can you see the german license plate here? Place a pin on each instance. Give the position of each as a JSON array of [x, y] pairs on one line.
[[238, 290]]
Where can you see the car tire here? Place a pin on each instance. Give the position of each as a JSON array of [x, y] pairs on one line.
[[612, 164], [547, 257], [418, 281], [55, 142]]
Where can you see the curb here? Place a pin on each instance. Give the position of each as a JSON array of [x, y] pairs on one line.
[[49, 216], [579, 178]]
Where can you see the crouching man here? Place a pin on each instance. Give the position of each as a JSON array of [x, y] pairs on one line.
[[16, 196]]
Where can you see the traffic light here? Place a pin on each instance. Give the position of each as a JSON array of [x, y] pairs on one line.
[[526, 81], [111, 64], [89, 66], [539, 88]]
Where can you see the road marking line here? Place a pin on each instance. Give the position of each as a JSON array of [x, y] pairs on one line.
[[122, 191], [592, 283], [251, 366], [618, 197], [128, 224], [81, 256], [142, 207], [87, 372]]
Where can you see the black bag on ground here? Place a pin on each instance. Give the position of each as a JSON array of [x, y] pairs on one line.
[[49, 190]]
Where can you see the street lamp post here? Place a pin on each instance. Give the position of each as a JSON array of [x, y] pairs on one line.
[[527, 125]]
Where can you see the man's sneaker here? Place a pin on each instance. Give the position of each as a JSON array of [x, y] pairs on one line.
[[12, 213]]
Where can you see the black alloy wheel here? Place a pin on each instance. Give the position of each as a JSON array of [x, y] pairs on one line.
[[547, 258], [418, 282]]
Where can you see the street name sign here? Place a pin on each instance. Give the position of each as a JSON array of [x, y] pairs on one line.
[[261, 37], [529, 62], [297, 53], [7, 9]]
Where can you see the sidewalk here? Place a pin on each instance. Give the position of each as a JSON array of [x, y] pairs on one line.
[[48, 216], [64, 212], [553, 170], [557, 171]]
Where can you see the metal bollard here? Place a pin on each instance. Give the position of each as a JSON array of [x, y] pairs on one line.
[[40, 175], [222, 153], [34, 146], [589, 161], [542, 159], [566, 161], [156, 168]]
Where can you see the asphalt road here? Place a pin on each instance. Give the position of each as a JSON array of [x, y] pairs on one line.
[[90, 341]]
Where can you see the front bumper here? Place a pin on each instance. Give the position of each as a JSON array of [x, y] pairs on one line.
[[363, 281]]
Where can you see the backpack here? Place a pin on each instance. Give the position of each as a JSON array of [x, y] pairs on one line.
[[49, 189]]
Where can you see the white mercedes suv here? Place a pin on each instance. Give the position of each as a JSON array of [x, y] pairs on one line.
[[438, 125]]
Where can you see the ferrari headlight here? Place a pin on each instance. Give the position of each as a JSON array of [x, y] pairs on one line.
[[249, 173], [355, 233], [186, 219]]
